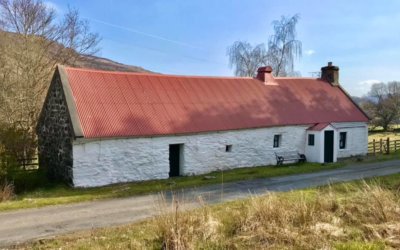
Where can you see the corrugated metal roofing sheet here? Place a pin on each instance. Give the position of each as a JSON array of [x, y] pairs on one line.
[[120, 104], [318, 126]]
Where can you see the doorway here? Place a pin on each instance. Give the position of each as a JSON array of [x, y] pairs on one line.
[[328, 146], [175, 159]]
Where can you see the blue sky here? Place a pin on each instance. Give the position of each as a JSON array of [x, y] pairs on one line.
[[191, 37]]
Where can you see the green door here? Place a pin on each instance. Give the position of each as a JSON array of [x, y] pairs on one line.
[[174, 159], [328, 146]]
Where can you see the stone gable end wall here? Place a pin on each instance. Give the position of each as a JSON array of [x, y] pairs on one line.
[[55, 135]]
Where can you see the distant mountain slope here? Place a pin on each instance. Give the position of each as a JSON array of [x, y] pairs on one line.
[[95, 62], [82, 61]]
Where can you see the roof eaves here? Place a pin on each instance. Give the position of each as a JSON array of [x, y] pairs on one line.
[[319, 126], [41, 115], [355, 104], [76, 125]]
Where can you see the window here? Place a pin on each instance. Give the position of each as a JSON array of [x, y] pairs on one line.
[[310, 140], [277, 141], [342, 140], [228, 148]]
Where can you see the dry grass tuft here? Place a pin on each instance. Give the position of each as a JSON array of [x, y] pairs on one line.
[[187, 230], [6, 191], [296, 220]]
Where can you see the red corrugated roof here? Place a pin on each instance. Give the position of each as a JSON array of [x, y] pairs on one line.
[[318, 126], [120, 104]]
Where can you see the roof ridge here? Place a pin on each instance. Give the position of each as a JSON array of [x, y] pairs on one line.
[[154, 74], [296, 78]]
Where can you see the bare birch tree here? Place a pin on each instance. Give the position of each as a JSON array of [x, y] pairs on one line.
[[283, 49], [246, 59]]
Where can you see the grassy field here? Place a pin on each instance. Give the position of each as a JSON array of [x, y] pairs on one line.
[[378, 133], [356, 215], [393, 135]]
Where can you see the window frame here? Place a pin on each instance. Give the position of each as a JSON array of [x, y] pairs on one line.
[[311, 140], [342, 140], [277, 141]]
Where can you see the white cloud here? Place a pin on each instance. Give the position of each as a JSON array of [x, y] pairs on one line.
[[368, 83], [309, 52], [364, 87]]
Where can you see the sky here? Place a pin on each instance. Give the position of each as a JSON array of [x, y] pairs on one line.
[[190, 37]]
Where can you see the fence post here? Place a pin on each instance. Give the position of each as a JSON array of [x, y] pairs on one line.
[[380, 146], [388, 145], [395, 145], [373, 145]]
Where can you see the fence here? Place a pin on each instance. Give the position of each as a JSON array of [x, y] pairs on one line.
[[383, 146], [31, 163]]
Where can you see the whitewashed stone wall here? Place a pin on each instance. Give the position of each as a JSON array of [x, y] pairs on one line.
[[357, 138], [250, 148], [314, 153], [356, 143], [99, 163], [103, 162]]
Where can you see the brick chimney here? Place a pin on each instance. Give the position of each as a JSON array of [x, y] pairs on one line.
[[264, 74], [330, 74]]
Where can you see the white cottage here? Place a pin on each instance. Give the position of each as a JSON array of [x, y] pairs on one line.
[[99, 127]]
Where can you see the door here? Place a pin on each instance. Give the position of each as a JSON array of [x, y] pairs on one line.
[[328, 146], [174, 159]]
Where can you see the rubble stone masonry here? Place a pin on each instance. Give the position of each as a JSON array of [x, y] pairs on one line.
[[55, 135]]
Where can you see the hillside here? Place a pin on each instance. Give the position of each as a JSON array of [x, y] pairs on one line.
[[95, 62], [82, 61]]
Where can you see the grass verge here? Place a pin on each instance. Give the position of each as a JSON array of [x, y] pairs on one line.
[[355, 215], [55, 194]]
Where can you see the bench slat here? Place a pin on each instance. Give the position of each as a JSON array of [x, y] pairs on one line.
[[288, 156]]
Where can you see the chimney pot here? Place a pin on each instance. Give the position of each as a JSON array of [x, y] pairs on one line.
[[264, 74], [266, 69], [330, 74]]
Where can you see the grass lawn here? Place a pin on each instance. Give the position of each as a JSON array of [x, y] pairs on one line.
[[43, 193], [354, 215]]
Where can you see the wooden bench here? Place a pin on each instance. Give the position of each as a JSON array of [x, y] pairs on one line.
[[289, 156]]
